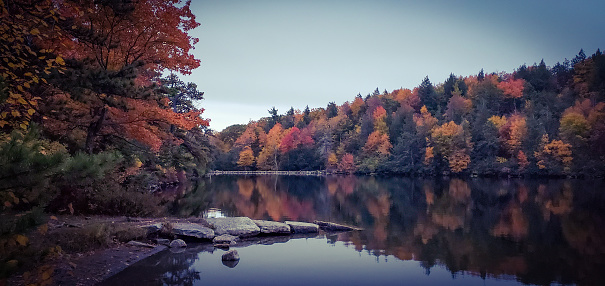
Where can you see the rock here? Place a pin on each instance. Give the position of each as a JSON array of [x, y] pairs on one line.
[[192, 230], [225, 239], [238, 226], [162, 241], [222, 246], [230, 255], [272, 227], [152, 228], [330, 226], [178, 243], [302, 227], [140, 244], [230, 263]]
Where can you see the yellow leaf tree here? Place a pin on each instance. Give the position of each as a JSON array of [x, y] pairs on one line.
[[23, 26], [246, 158], [267, 158], [450, 143], [554, 156]]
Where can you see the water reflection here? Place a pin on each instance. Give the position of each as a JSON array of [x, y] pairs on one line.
[[537, 231], [166, 268]]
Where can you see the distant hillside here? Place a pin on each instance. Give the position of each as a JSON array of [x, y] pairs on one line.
[[537, 120]]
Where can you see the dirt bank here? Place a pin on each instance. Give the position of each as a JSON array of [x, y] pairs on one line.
[[90, 250]]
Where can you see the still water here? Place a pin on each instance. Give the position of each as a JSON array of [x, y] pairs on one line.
[[416, 232]]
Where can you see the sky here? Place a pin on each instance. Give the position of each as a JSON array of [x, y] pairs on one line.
[[259, 54]]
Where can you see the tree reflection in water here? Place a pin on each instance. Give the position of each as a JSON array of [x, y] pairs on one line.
[[538, 231], [165, 268]]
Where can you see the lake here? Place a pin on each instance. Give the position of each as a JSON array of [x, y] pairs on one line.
[[416, 232]]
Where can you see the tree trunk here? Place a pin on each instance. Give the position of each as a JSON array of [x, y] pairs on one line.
[[93, 130]]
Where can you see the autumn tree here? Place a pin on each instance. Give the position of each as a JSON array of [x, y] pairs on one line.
[[379, 116], [554, 156], [512, 89], [377, 144], [346, 164], [113, 51], [512, 133], [248, 137], [295, 138], [246, 158], [332, 161], [582, 126], [458, 108], [407, 97], [425, 121], [268, 157], [451, 144]]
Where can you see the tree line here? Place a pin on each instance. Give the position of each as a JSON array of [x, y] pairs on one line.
[[537, 120]]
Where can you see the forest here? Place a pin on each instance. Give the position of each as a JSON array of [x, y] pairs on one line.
[[93, 116], [537, 121]]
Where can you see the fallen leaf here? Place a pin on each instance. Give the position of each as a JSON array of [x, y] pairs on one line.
[[21, 239]]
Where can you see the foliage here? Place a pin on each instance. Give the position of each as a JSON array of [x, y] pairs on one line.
[[28, 165], [86, 122], [246, 158], [488, 124]]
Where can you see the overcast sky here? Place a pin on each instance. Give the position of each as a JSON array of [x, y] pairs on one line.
[[259, 54]]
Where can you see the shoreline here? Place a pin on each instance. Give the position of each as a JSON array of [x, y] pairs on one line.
[[91, 266], [96, 264]]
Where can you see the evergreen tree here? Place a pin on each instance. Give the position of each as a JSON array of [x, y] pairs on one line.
[[428, 96], [331, 110]]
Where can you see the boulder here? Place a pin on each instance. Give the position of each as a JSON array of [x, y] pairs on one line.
[[330, 226], [178, 243], [225, 239], [302, 227], [192, 230], [230, 255], [237, 226], [272, 227]]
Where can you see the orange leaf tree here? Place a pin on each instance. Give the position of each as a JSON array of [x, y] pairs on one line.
[[113, 51]]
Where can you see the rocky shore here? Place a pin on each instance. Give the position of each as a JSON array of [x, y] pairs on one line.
[[94, 266], [225, 232]]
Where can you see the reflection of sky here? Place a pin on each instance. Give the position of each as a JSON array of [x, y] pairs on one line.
[[314, 262], [213, 212], [258, 54]]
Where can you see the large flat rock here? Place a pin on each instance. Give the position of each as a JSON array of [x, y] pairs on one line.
[[238, 226], [302, 227], [272, 227], [192, 230], [330, 226]]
